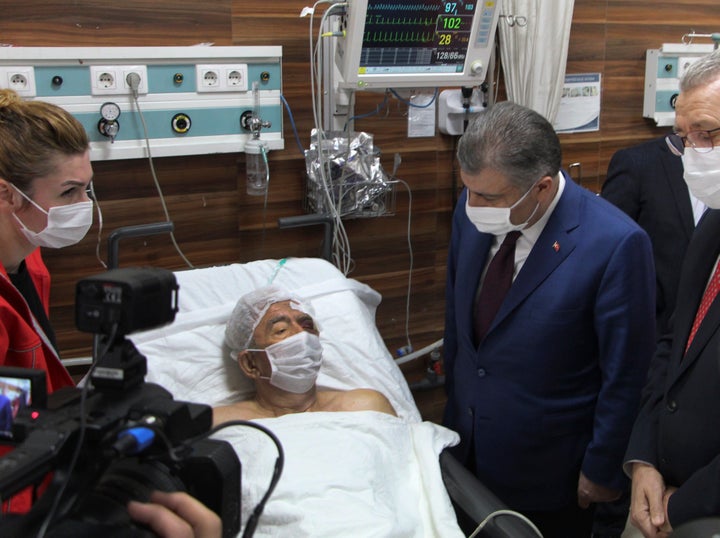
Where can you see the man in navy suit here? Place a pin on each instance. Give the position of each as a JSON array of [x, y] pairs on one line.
[[545, 397], [674, 450], [646, 182]]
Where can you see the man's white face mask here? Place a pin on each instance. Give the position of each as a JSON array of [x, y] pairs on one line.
[[702, 175], [66, 224], [496, 220], [295, 362]]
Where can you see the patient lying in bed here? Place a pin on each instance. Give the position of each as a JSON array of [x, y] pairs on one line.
[[360, 473], [277, 345]]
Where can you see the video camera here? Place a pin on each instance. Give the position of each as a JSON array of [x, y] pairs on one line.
[[123, 438]]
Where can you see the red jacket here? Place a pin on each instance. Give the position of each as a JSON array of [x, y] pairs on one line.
[[23, 344], [22, 341]]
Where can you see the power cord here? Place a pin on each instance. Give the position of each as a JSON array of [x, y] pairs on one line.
[[277, 471], [496, 513], [410, 252], [133, 81]]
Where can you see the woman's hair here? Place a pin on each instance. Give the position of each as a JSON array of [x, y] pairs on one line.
[[33, 134], [513, 140]]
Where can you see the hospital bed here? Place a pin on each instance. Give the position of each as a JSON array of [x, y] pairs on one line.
[[345, 474]]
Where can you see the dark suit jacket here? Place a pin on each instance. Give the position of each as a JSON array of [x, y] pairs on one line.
[[554, 387], [646, 182], [678, 427]]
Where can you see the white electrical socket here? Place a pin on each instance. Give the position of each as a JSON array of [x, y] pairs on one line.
[[18, 78], [221, 77], [236, 77], [112, 79], [208, 78]]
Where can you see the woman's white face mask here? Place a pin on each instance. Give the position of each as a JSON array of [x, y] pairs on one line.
[[294, 362], [66, 224], [496, 220]]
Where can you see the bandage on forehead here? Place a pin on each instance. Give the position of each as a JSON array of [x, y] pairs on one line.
[[251, 308]]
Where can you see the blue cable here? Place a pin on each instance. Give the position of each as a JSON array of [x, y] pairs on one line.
[[292, 122], [368, 114], [384, 103], [408, 103]]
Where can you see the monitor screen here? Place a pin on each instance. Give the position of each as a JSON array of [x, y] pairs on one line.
[[19, 388], [430, 43]]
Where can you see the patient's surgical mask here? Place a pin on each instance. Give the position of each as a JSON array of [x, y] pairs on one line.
[[496, 220], [702, 175], [295, 362], [66, 224]]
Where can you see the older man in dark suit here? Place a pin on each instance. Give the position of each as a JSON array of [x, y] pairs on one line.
[[674, 449], [646, 182]]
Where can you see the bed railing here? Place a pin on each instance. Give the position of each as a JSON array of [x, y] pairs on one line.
[[473, 503]]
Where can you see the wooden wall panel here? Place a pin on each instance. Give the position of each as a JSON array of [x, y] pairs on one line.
[[49, 23], [216, 222], [611, 37]]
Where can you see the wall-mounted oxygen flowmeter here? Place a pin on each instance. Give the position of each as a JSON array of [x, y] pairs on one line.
[[108, 124], [256, 163]]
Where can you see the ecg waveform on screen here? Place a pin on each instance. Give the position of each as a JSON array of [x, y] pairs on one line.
[[397, 6], [383, 29], [372, 38], [419, 35], [381, 20]]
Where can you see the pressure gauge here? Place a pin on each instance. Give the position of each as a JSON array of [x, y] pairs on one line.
[[110, 111], [108, 124]]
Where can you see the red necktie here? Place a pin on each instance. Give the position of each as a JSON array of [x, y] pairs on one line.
[[495, 286], [707, 299]]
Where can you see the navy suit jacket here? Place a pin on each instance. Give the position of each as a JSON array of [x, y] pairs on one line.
[[646, 182], [554, 386], [678, 427]]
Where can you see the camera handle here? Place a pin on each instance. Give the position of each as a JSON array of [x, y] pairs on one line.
[[121, 367]]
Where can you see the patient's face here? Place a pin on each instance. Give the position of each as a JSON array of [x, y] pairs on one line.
[[281, 321]]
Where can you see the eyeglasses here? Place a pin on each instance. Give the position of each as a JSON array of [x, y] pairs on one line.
[[700, 141]]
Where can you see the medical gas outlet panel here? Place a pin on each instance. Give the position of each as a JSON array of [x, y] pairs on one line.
[[663, 69], [180, 100]]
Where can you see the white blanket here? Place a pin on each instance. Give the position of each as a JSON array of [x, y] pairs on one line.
[[347, 474]]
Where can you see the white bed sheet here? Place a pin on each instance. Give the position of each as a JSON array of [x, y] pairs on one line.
[[347, 474]]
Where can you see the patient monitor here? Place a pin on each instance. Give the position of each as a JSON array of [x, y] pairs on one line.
[[412, 44]]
